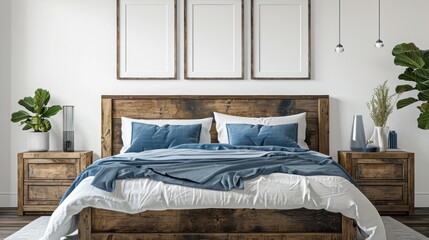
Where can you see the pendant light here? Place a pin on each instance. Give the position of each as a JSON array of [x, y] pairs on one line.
[[339, 48], [379, 43]]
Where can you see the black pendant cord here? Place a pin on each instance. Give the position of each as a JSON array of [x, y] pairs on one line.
[[339, 21], [379, 19]]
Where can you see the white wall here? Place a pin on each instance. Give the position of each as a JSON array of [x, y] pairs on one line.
[[69, 47], [7, 164]]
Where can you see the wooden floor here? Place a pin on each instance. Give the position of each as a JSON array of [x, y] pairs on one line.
[[418, 222], [10, 222]]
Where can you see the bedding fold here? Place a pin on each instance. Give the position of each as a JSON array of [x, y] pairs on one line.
[[219, 167], [300, 179]]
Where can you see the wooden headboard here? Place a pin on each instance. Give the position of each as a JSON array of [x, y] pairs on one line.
[[168, 107]]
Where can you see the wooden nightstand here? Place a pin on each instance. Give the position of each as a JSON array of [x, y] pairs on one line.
[[386, 178], [43, 177]]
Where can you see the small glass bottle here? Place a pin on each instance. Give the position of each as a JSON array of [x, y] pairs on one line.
[[68, 128], [393, 141]]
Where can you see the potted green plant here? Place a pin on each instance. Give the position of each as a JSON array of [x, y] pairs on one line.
[[416, 73], [38, 140], [380, 107]]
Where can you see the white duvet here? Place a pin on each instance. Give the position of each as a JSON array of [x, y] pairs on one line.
[[274, 191]]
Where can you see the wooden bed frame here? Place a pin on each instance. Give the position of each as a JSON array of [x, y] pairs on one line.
[[299, 224]]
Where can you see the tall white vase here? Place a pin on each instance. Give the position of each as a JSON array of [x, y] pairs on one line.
[[379, 138]]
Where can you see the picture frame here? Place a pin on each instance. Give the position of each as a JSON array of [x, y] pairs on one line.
[[281, 40], [146, 39], [213, 39]]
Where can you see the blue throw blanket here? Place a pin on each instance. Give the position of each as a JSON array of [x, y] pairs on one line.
[[210, 166]]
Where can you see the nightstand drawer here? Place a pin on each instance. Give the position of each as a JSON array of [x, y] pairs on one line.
[[50, 169], [382, 169], [382, 194], [44, 193]]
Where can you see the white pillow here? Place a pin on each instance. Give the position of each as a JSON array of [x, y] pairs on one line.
[[223, 119], [206, 124]]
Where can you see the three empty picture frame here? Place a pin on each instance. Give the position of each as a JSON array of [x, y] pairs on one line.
[[214, 39]]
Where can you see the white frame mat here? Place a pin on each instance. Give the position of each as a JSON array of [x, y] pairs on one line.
[[280, 39], [146, 39], [214, 39]]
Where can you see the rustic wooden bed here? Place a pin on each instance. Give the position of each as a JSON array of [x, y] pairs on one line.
[[214, 223]]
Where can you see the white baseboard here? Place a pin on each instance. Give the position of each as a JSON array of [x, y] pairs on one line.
[[8, 199], [422, 199]]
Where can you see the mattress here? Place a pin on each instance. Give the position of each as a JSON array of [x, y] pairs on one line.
[[274, 191]]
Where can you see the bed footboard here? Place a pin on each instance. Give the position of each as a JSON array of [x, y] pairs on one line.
[[98, 224]]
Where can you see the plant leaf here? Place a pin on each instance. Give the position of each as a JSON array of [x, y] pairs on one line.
[[408, 75], [422, 74], [425, 55], [423, 120], [47, 125], [27, 127], [423, 95], [409, 59], [41, 98], [425, 83], [405, 102], [421, 87], [424, 107], [403, 48], [403, 88], [28, 103], [51, 111], [19, 116]]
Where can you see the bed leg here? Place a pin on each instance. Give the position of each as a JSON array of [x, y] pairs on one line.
[[85, 224], [349, 230]]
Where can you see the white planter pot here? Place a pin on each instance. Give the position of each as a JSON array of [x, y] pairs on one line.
[[38, 141]]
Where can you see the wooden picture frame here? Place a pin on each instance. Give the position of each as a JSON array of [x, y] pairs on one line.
[[146, 39], [281, 40], [214, 40]]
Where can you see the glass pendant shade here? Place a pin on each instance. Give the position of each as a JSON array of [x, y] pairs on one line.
[[68, 128], [379, 44], [339, 48], [358, 140]]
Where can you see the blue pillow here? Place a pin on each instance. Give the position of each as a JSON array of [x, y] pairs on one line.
[[261, 135], [147, 136]]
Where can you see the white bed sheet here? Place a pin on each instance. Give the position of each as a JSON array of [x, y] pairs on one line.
[[274, 191]]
